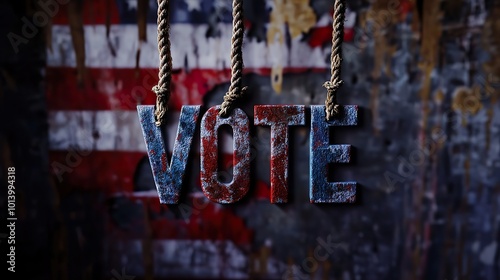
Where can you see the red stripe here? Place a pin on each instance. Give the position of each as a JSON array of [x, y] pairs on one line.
[[125, 88], [322, 36], [110, 173], [107, 172], [198, 219], [113, 172], [94, 12]]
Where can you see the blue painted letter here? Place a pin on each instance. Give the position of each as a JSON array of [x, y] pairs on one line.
[[168, 179], [322, 153]]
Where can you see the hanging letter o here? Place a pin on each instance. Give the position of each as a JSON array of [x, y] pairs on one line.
[[214, 189]]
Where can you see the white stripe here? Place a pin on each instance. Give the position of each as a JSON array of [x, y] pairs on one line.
[[188, 42], [350, 20], [115, 131]]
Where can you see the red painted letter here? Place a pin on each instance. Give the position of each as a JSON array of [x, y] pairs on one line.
[[212, 187], [279, 117]]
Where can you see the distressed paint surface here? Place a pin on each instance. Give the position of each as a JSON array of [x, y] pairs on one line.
[[322, 153], [279, 118], [213, 188], [169, 177], [428, 145], [213, 55]]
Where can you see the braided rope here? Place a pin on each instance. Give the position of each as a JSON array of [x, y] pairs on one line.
[[332, 107], [235, 89], [162, 89]]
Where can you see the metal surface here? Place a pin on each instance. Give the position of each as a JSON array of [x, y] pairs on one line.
[[323, 153], [214, 189], [168, 178], [279, 118]]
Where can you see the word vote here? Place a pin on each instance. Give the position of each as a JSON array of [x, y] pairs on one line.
[[169, 177]]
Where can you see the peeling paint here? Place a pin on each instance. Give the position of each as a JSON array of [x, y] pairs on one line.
[[322, 153], [169, 179], [212, 187], [279, 118]]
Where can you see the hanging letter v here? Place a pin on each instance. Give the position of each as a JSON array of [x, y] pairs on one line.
[[168, 178]]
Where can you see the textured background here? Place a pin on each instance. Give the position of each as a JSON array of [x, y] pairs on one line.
[[426, 75]]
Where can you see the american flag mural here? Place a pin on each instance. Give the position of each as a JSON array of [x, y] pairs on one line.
[[426, 152], [102, 61]]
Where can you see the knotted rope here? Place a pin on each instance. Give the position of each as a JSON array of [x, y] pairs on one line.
[[162, 89], [332, 107], [235, 89]]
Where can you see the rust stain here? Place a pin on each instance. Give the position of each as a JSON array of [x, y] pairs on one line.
[[491, 43], [430, 37], [439, 139], [491, 40], [381, 17], [108, 18], [439, 96], [277, 77], [327, 265], [277, 19], [137, 71], [466, 101], [265, 252], [275, 32], [142, 13], [299, 16], [420, 231]]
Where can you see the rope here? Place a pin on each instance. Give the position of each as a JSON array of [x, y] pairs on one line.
[[235, 89], [162, 89], [332, 107]]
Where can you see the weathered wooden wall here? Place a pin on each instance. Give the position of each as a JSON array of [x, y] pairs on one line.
[[426, 75]]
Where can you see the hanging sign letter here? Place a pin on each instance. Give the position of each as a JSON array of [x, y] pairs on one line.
[[168, 179], [322, 153], [279, 117], [214, 189]]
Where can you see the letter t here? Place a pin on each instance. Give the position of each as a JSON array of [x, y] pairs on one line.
[[279, 117]]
